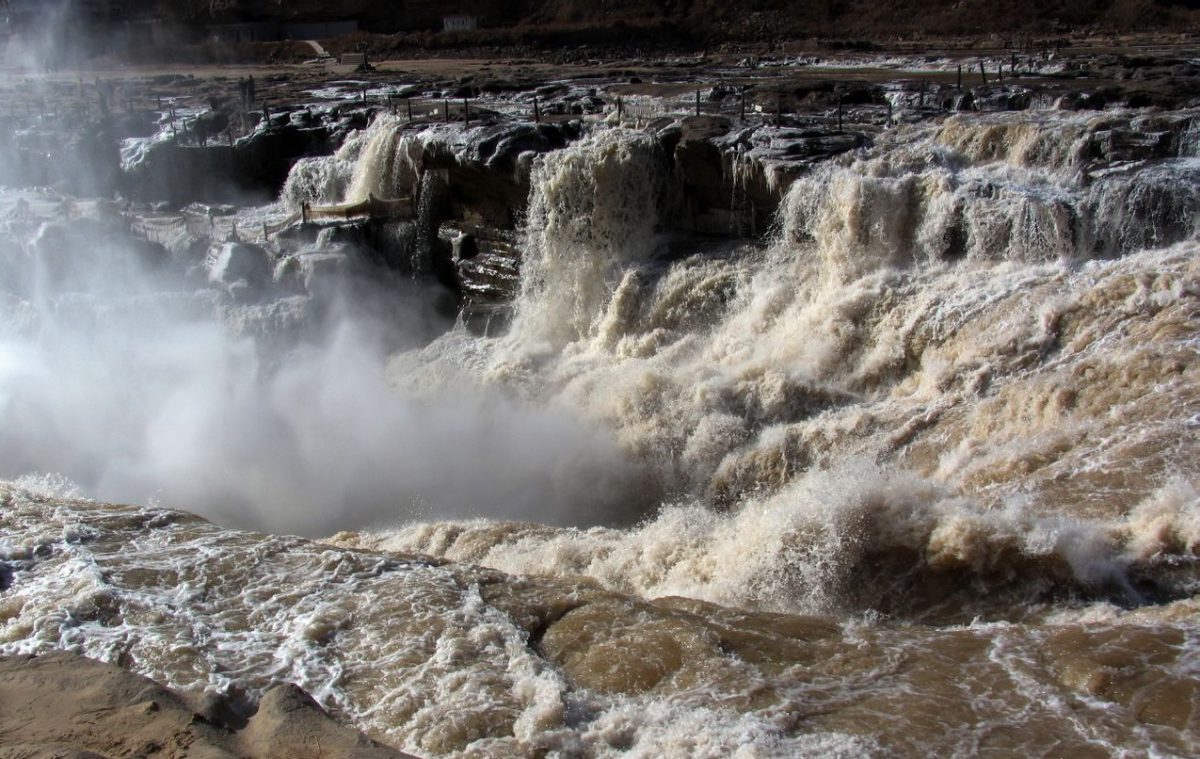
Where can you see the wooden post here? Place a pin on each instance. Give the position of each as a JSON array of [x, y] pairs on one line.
[[960, 76], [924, 85], [409, 102], [446, 110], [466, 112], [697, 102], [304, 212], [743, 106], [839, 113], [1000, 72], [1012, 64], [889, 121], [779, 110], [537, 116], [982, 72]]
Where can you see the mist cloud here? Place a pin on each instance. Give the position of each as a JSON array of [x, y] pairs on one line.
[[135, 386]]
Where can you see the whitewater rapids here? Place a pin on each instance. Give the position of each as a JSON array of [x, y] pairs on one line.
[[916, 476]]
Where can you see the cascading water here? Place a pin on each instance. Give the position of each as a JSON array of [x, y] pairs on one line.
[[380, 160], [928, 318], [386, 167], [592, 212], [917, 475]]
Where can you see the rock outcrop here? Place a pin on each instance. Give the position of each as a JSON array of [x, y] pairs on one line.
[[64, 705], [252, 168]]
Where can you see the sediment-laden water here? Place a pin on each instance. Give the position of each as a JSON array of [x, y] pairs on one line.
[[917, 474]]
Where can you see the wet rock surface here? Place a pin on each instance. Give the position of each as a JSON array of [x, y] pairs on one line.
[[71, 133], [252, 167], [64, 705], [486, 265]]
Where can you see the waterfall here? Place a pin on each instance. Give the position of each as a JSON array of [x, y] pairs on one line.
[[591, 211]]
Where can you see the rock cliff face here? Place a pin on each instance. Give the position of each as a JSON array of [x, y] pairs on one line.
[[252, 168]]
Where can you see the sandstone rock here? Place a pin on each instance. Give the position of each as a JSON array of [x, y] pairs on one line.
[[290, 725], [65, 706]]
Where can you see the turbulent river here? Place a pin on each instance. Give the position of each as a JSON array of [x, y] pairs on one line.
[[916, 476]]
